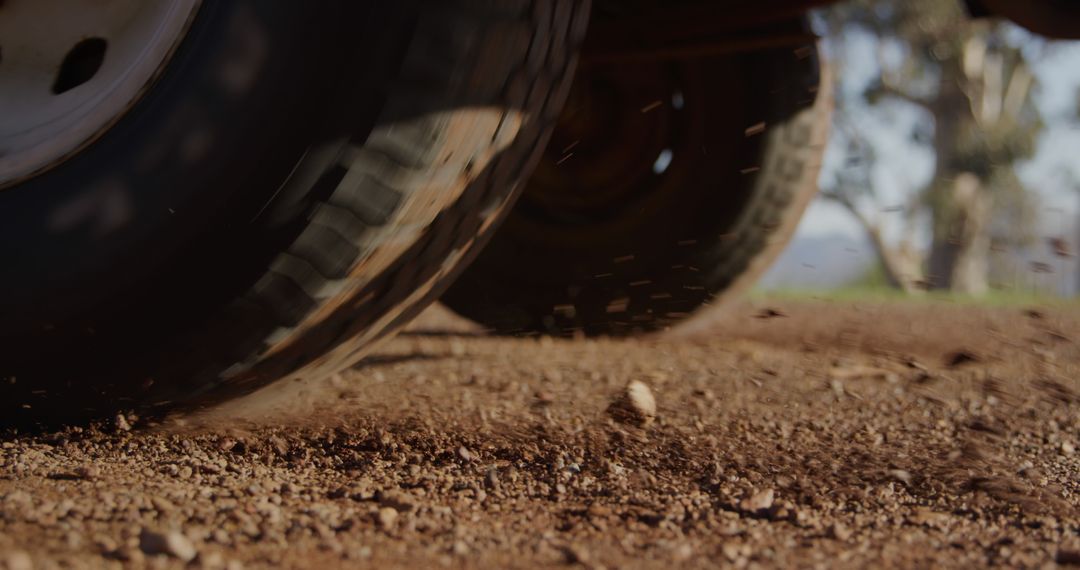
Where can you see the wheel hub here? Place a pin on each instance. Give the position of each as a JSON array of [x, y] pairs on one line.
[[70, 68], [622, 130]]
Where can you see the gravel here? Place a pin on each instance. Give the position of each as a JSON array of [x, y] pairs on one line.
[[842, 435]]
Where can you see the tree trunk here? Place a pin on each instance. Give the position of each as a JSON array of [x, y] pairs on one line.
[[901, 266], [972, 203], [960, 254], [960, 250], [1076, 260], [943, 254]]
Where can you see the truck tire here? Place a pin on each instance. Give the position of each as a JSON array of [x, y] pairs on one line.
[[667, 187], [300, 179]]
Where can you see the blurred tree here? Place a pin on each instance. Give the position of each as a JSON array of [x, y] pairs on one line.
[[852, 188], [1076, 186], [974, 85]]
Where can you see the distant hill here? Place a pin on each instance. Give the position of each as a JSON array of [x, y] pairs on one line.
[[834, 260], [819, 262]]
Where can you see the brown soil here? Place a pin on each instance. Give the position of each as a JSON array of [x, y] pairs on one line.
[[795, 434]]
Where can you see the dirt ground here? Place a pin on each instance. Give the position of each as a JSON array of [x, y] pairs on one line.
[[796, 434]]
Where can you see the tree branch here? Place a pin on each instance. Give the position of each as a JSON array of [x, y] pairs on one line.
[[894, 92]]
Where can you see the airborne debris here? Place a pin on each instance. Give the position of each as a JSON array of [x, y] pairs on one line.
[[769, 313], [959, 358], [1060, 246], [652, 106], [121, 423], [755, 129]]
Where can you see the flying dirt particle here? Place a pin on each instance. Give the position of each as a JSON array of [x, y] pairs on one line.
[[171, 543], [769, 313], [636, 405], [758, 502], [1060, 247], [1041, 267], [652, 106], [959, 358], [755, 129], [618, 306], [121, 423]]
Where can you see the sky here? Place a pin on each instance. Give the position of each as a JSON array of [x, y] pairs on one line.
[[903, 164]]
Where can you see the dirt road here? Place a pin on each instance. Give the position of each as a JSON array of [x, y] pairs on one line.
[[807, 434]]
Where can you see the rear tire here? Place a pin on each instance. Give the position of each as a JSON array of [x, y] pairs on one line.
[[276, 227], [635, 228]]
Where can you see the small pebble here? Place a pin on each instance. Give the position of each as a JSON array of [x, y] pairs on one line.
[[760, 501], [840, 531], [388, 518], [636, 405]]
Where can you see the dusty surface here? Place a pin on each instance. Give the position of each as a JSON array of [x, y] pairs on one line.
[[797, 434]]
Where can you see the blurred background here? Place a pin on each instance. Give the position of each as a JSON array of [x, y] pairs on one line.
[[954, 165]]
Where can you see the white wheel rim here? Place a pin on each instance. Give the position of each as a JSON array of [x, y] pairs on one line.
[[132, 39]]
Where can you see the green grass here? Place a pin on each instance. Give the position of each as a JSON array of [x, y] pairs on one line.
[[873, 286]]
